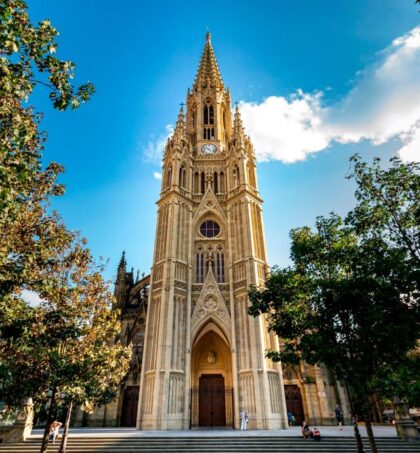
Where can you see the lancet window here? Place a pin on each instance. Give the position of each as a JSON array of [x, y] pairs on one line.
[[168, 177], [203, 182], [200, 265], [251, 175], [235, 176], [208, 120], [215, 182], [196, 182], [182, 177], [220, 265], [208, 133], [208, 114]]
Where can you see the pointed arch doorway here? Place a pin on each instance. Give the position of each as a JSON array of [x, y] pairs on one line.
[[211, 378]]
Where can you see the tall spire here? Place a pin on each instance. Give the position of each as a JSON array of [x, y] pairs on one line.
[[208, 73], [180, 124], [123, 263], [238, 129], [179, 131]]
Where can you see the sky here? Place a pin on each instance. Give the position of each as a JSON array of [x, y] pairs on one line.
[[316, 82]]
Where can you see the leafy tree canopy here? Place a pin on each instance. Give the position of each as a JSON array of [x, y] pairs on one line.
[[29, 234], [65, 346], [351, 298]]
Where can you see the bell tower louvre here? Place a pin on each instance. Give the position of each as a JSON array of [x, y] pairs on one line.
[[204, 357]]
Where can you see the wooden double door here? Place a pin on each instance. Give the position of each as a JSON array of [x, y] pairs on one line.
[[211, 401], [294, 402]]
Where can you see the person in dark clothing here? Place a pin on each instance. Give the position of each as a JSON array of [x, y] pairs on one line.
[[339, 417]]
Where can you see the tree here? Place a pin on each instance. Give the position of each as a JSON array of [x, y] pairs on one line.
[[351, 298], [27, 229], [64, 347], [388, 204], [66, 344], [402, 382]]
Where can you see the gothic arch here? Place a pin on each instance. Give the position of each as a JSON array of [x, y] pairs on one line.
[[211, 356], [211, 325], [209, 207]]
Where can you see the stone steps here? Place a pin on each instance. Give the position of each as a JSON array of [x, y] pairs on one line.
[[119, 444]]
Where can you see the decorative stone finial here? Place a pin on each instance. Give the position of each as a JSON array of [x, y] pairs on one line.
[[208, 37]]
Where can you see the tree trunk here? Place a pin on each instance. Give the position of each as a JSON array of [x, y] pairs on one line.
[[357, 435], [50, 416], [63, 445], [371, 437]]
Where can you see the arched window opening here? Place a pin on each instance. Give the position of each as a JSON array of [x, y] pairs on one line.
[[235, 176], [199, 266], [211, 115], [208, 133], [215, 183], [182, 177], [193, 119], [251, 175], [196, 182], [220, 265], [206, 114], [203, 182], [222, 182], [168, 177]]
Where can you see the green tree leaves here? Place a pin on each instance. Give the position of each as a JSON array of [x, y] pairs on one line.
[[65, 346], [351, 298]]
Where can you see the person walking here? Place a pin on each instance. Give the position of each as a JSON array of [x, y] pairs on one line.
[[339, 417], [244, 419]]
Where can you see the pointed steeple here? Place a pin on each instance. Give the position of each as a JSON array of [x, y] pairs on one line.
[[208, 73], [237, 120], [180, 123], [179, 132], [123, 263], [238, 129], [120, 282]]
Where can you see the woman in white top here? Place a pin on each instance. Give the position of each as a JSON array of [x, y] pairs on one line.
[[244, 419]]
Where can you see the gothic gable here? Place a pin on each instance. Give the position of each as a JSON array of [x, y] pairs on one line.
[[210, 306], [209, 205]]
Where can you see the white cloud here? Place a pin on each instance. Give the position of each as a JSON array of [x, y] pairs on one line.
[[157, 175], [153, 152], [285, 129], [31, 297], [383, 104], [411, 150]]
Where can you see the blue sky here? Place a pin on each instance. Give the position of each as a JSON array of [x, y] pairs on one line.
[[317, 82]]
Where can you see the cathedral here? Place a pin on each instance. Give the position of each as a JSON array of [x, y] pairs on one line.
[[198, 358]]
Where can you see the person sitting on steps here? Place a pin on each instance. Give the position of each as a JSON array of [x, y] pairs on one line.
[[316, 435], [306, 431]]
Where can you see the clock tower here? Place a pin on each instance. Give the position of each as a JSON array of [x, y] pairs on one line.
[[204, 356]]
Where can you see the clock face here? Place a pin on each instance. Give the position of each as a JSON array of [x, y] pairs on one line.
[[208, 148]]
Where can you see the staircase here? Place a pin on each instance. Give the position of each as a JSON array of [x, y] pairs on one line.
[[119, 444]]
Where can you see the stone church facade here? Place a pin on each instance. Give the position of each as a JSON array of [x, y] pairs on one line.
[[198, 357]]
